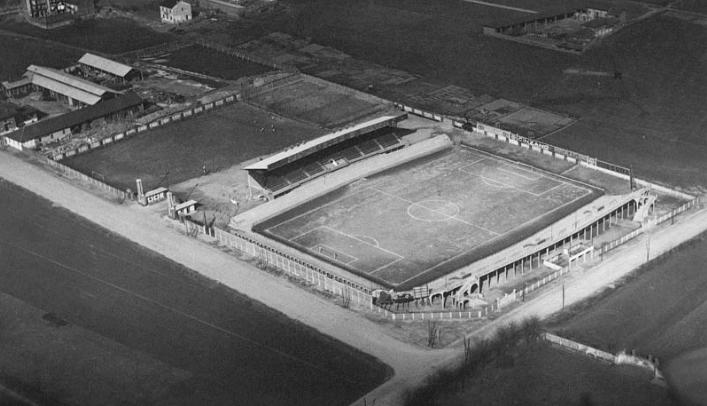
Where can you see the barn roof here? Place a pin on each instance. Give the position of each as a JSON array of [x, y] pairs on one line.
[[62, 88], [68, 80], [74, 118], [105, 64]]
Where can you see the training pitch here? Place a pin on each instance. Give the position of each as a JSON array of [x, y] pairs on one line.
[[411, 224]]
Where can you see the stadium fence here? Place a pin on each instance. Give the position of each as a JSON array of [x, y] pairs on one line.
[[292, 265], [72, 173], [190, 112]]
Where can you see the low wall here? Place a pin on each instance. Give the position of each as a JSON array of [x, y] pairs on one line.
[[621, 358], [160, 121], [291, 264], [422, 113], [72, 173]]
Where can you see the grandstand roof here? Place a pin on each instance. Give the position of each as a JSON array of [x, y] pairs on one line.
[[71, 119], [68, 80], [105, 64], [309, 147]]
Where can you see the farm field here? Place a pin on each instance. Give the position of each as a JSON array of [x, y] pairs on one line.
[[698, 6], [179, 151], [422, 219], [322, 104], [659, 96], [108, 35], [18, 53], [200, 59], [186, 340], [662, 311], [545, 375]]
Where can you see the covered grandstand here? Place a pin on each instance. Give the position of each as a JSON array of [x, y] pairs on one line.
[[279, 173]]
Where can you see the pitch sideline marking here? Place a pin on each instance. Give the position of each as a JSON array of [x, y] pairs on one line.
[[361, 241], [337, 251], [380, 268], [587, 191]]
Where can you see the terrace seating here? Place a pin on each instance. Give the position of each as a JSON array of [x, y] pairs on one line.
[[296, 176], [313, 169], [369, 147], [275, 183], [388, 140], [351, 154]]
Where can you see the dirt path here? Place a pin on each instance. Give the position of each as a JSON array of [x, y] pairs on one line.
[[411, 364]]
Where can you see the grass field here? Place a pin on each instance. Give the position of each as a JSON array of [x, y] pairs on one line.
[[420, 220], [200, 59], [17, 54], [157, 313], [179, 151], [543, 375], [113, 36], [319, 103], [662, 311]]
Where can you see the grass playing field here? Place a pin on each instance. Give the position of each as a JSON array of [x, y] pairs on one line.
[[319, 103], [424, 219], [179, 151]]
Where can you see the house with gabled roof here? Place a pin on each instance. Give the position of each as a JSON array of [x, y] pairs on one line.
[[175, 11]]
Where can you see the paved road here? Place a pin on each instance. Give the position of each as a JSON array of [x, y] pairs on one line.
[[411, 364]]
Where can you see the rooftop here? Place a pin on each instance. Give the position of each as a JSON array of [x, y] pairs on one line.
[[68, 120], [105, 64], [69, 80], [310, 147]]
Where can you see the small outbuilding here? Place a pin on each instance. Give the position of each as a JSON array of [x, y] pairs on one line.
[[99, 64]]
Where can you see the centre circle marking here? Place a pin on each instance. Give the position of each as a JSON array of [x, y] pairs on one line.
[[433, 210]]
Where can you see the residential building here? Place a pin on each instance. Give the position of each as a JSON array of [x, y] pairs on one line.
[[175, 11]]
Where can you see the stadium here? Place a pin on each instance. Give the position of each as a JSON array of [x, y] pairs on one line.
[[388, 210]]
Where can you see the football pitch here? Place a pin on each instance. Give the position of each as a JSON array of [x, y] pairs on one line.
[[413, 223]]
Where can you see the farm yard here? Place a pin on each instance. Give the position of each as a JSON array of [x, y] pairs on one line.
[[660, 312], [199, 59], [107, 35], [423, 218], [179, 151]]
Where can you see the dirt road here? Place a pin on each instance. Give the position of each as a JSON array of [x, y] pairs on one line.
[[411, 364]]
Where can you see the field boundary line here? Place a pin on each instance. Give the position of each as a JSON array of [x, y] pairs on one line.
[[501, 235], [382, 267], [354, 258], [534, 168], [361, 241], [521, 169]]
